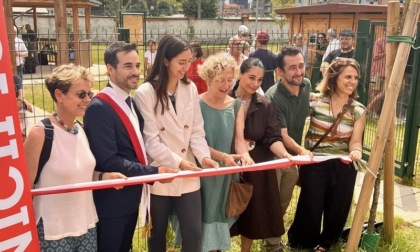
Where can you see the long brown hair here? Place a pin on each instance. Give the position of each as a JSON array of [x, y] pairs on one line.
[[328, 85], [170, 46]]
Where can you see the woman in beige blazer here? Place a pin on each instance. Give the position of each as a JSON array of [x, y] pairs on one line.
[[174, 137]]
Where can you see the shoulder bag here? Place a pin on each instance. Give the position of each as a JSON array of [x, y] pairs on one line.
[[240, 192]]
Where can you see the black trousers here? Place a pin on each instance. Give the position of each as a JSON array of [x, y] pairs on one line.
[[188, 210], [326, 195], [116, 234]]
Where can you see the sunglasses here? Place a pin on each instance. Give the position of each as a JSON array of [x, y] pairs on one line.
[[238, 44], [82, 95], [321, 37]]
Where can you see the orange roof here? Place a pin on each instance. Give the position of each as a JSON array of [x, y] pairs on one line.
[[335, 8]]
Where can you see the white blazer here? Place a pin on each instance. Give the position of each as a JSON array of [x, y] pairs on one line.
[[173, 136]]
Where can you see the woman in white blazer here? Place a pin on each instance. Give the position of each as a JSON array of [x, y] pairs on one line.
[[174, 136]]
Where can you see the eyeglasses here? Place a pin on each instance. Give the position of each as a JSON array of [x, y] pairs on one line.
[[82, 95], [238, 44]]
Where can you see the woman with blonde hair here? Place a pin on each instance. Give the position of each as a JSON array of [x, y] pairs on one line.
[[327, 187], [221, 114], [65, 221]]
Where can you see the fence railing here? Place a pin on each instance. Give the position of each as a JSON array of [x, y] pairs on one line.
[[89, 53]]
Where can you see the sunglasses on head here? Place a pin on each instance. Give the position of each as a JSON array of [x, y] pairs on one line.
[[82, 95]]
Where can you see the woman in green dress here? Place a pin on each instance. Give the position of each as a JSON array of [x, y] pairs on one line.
[[219, 112]]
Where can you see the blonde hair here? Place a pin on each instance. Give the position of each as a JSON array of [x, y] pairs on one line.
[[328, 85], [214, 66], [64, 76]]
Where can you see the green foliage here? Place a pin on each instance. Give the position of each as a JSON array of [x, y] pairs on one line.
[[164, 7], [280, 4], [209, 8], [114, 8]]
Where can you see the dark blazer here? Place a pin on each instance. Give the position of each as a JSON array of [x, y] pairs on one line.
[[112, 148]]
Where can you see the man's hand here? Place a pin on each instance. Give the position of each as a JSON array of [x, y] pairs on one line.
[[114, 175]]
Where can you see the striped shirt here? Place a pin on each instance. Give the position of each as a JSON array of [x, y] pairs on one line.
[[322, 119]]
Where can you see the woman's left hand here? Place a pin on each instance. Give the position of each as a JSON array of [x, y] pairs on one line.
[[209, 163], [355, 154]]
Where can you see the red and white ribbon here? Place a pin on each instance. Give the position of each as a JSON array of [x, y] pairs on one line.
[[275, 164]]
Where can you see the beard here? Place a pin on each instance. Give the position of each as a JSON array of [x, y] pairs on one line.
[[293, 82]]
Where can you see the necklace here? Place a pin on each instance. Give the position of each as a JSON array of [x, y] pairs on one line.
[[243, 98], [68, 129], [246, 100]]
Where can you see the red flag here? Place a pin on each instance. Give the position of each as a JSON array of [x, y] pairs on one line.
[[17, 220]]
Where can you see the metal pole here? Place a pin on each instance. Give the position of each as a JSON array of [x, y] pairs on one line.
[[199, 10], [256, 14]]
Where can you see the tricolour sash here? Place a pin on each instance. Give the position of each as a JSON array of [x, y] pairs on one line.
[[127, 124]]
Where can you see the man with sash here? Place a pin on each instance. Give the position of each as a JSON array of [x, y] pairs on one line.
[[113, 126]]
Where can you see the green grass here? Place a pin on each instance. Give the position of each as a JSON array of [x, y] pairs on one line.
[[369, 135], [39, 96], [98, 50], [405, 237]]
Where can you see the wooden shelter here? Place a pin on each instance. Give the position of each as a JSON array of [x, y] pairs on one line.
[[61, 30], [319, 18]]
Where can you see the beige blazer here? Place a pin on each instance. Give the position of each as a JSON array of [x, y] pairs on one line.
[[172, 137]]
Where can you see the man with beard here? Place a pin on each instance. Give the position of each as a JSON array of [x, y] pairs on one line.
[[113, 126], [290, 97], [346, 49]]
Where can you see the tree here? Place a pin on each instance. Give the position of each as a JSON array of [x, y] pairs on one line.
[[209, 8], [114, 8], [164, 8], [279, 4]]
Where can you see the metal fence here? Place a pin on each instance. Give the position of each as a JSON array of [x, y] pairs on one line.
[[92, 50], [90, 54], [407, 164]]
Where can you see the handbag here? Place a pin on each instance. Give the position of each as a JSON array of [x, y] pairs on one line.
[[240, 192]]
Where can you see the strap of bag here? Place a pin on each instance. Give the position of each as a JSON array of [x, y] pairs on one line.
[[235, 111], [46, 147], [334, 126]]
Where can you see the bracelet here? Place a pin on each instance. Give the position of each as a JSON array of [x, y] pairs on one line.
[[101, 174], [357, 149]]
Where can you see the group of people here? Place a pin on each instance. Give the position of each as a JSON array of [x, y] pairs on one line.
[[168, 126]]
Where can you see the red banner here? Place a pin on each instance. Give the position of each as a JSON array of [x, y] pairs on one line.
[[17, 220]]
